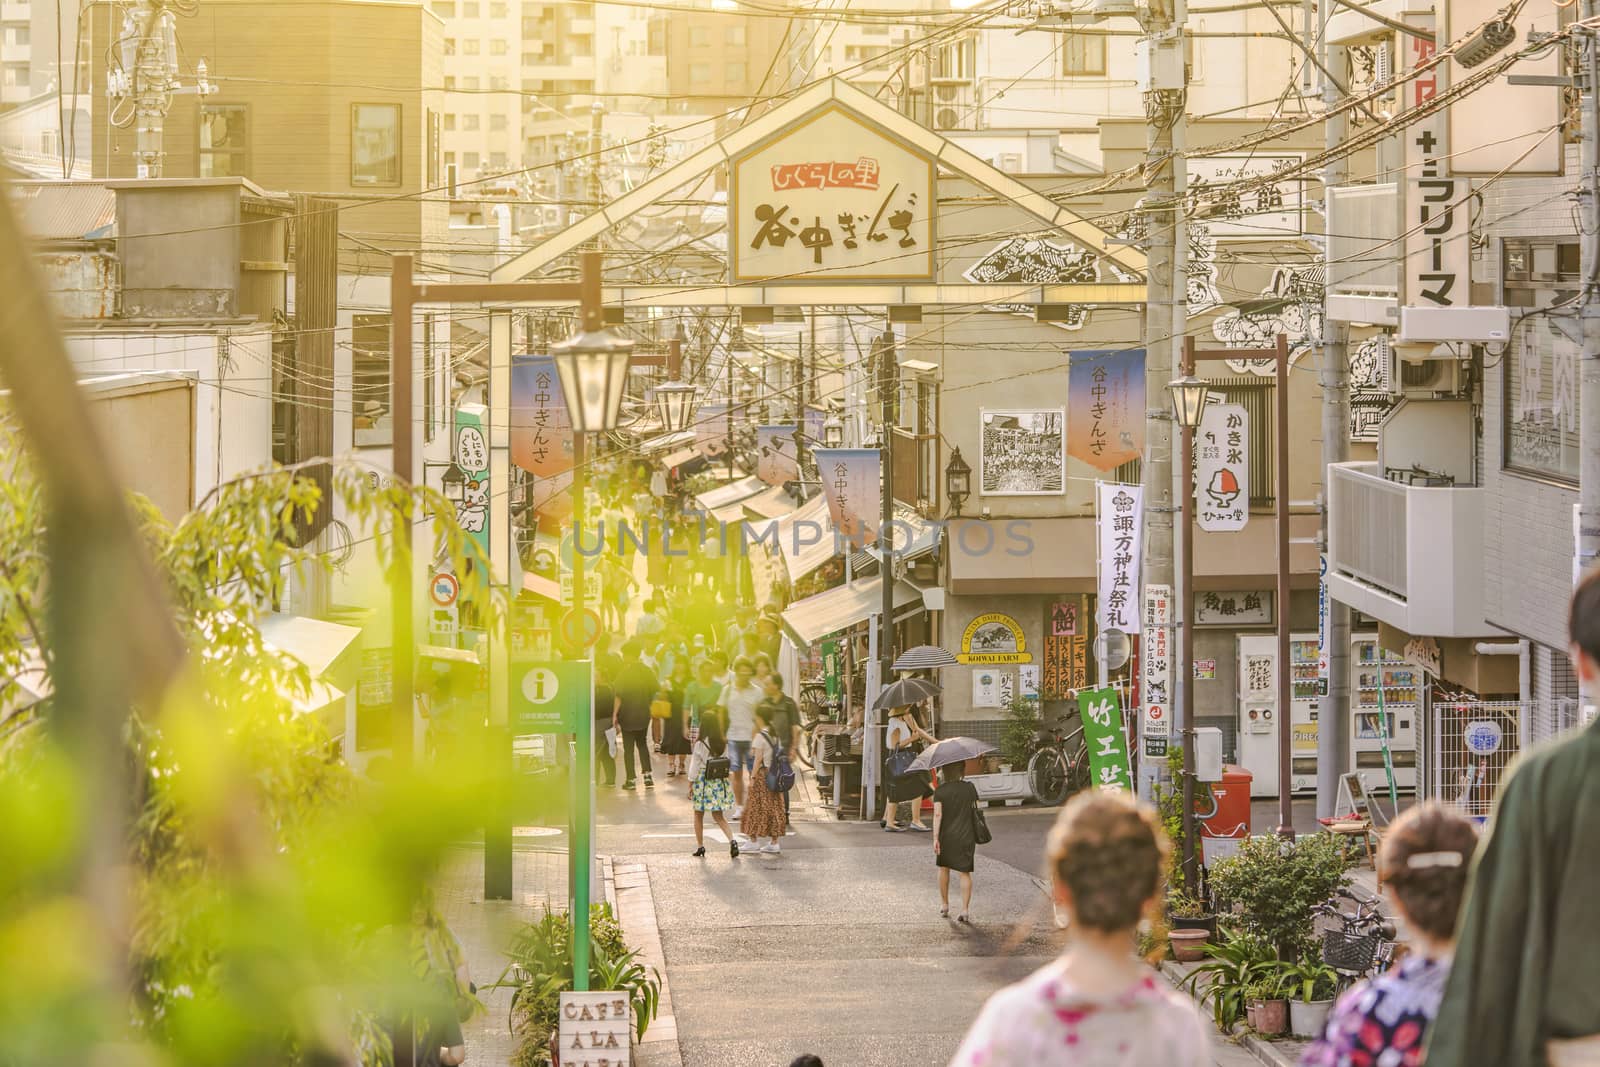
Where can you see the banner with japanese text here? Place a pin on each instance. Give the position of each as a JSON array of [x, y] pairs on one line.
[[1222, 468], [775, 455], [1156, 659], [711, 430], [1103, 736], [541, 430], [1105, 407], [1119, 520], [471, 453], [850, 481]]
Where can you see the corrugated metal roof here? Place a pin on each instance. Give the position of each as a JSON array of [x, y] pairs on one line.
[[66, 211]]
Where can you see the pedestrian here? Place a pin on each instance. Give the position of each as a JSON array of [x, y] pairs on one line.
[[703, 698], [1424, 858], [709, 769], [763, 816], [636, 687], [955, 836], [732, 636], [900, 786], [1098, 1003], [1525, 985], [606, 668], [768, 641], [649, 623], [739, 702], [763, 667], [675, 744], [784, 716]]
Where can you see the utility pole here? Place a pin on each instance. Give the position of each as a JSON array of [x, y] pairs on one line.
[[1333, 706], [147, 78], [1589, 376], [403, 652], [888, 388]]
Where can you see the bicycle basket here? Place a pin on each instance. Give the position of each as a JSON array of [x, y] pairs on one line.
[[1349, 952]]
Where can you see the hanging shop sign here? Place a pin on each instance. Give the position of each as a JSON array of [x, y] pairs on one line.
[[851, 482], [541, 429], [1222, 468], [1066, 666], [1156, 659], [1233, 607], [1118, 519], [993, 638], [712, 430], [1425, 653], [1261, 210], [1101, 711], [1438, 251], [1105, 407], [775, 455], [833, 196], [471, 451]]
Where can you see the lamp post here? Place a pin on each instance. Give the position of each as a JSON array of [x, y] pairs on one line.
[[593, 368], [832, 433], [1189, 398], [675, 405], [957, 481]]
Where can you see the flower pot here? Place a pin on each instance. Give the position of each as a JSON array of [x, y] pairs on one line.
[[1252, 1014], [1272, 1018], [1208, 923], [1306, 1018], [1188, 946], [1005, 768]]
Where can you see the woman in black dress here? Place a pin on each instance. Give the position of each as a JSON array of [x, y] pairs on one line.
[[955, 836], [675, 743]]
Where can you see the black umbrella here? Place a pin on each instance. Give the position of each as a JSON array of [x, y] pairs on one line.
[[923, 658], [906, 691], [950, 750]]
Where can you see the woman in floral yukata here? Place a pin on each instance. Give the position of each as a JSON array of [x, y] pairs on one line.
[[1097, 1005], [1383, 1022]]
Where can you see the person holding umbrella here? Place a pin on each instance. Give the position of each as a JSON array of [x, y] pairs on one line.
[[902, 784], [955, 816]]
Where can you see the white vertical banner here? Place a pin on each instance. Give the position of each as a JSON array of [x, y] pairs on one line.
[[1322, 625], [1222, 468], [1156, 658], [1119, 519]]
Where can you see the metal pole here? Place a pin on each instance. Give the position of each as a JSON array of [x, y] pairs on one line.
[[1588, 546], [402, 292], [1191, 882], [1281, 511], [729, 376], [579, 862], [887, 379]]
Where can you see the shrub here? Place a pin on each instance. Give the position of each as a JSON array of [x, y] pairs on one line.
[[1018, 732], [1272, 884]]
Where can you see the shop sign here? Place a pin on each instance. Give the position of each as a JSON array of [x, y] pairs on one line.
[[1424, 652], [831, 664], [1222, 468], [1066, 666], [993, 638], [595, 1029], [1232, 608], [1028, 680], [1156, 661], [986, 688], [1483, 737], [1118, 518], [1322, 625], [1155, 747], [471, 453], [1205, 670], [1101, 711], [832, 197], [1064, 618], [1436, 228]]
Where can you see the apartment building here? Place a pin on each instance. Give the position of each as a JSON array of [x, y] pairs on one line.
[[37, 40], [481, 64]]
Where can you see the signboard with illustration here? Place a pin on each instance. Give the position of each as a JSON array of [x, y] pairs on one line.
[[1105, 407], [1101, 711], [993, 638], [1222, 468], [541, 430], [471, 453], [851, 481], [833, 196]]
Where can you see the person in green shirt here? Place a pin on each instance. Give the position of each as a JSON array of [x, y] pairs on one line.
[[701, 697], [1525, 986]]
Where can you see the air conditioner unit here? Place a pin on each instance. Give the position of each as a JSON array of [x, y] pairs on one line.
[[1425, 371], [1480, 324]]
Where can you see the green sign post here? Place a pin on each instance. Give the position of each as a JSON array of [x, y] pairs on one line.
[[558, 698], [1103, 735], [830, 670]]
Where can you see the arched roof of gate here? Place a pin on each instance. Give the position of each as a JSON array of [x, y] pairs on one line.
[[835, 94]]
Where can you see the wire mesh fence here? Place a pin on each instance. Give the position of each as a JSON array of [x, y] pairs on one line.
[[1476, 741]]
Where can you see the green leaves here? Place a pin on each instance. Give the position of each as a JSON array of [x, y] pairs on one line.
[[1272, 884]]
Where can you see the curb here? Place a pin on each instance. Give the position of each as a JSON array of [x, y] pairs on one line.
[[629, 883], [1242, 1035]]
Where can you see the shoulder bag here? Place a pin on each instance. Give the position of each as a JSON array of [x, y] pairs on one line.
[[980, 825]]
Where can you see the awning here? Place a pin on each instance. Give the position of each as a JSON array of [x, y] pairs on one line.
[[666, 441], [539, 585], [913, 536], [325, 703], [313, 642], [714, 499], [810, 620], [772, 504], [681, 458], [805, 538]]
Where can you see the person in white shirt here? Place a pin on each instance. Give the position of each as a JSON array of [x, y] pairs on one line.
[[740, 700]]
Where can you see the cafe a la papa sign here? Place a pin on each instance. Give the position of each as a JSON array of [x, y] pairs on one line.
[[993, 638]]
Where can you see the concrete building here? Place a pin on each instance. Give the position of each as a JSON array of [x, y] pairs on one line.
[[37, 39], [481, 121]]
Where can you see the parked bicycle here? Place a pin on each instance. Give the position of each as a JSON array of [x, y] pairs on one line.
[[1361, 945], [815, 709], [1059, 766]]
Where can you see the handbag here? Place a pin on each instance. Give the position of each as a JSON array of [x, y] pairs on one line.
[[900, 761], [661, 709], [980, 826]]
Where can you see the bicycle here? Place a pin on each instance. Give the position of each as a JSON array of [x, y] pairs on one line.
[[815, 709], [1364, 943], [1058, 768]]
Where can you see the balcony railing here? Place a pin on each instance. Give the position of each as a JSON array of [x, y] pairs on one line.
[[1367, 521]]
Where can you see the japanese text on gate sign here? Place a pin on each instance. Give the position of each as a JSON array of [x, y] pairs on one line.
[[1155, 701], [1101, 712], [1120, 519]]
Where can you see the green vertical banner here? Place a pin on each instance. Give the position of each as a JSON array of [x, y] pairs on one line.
[[830, 670], [1103, 735], [471, 453]]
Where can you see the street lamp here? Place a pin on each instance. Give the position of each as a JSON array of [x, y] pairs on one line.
[[832, 433], [593, 368], [454, 484], [675, 402], [1189, 397], [957, 481]]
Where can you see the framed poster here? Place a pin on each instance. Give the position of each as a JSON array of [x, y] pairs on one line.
[[1022, 453]]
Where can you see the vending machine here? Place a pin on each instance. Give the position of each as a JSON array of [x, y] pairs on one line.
[[1259, 718], [1372, 668]]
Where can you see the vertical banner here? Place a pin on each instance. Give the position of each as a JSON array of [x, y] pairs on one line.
[[1105, 407], [1101, 712], [1118, 522], [471, 453], [850, 481], [711, 430], [541, 430], [1222, 468], [1156, 649], [1437, 249], [1322, 625], [814, 418], [776, 462]]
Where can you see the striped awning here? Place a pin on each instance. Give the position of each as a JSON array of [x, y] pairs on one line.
[[810, 620], [713, 500]]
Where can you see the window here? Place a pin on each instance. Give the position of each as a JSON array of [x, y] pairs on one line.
[[369, 366], [435, 143], [497, 161], [224, 141], [374, 144], [471, 83], [450, 122], [530, 59], [499, 81], [470, 160], [449, 46], [469, 10], [497, 122], [445, 9], [1083, 55], [699, 37], [1540, 419], [430, 371], [734, 36], [699, 73], [735, 73], [449, 82], [497, 10], [469, 122], [21, 35], [449, 159], [497, 47], [470, 47]]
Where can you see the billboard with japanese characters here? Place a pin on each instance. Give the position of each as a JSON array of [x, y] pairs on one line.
[[832, 197]]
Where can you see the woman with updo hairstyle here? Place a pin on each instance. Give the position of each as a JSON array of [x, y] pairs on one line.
[[1097, 1004], [1384, 1021]]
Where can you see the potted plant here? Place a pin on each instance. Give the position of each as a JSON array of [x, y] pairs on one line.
[[1272, 885], [1018, 733], [1188, 912], [1233, 967], [1266, 1005], [1311, 996]]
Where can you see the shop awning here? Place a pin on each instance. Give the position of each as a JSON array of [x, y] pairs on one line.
[[327, 704], [713, 500], [539, 585], [772, 504], [313, 642], [914, 536], [810, 620], [666, 442], [804, 538], [681, 458]]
